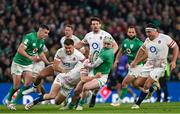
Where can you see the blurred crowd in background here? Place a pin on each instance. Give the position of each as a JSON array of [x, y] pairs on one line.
[[18, 17]]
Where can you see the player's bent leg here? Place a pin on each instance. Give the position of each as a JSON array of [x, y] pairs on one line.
[[149, 82], [40, 88], [59, 98], [14, 88], [91, 85], [101, 83], [93, 99], [47, 71], [127, 80], [138, 82], [143, 93], [53, 92], [16, 81], [76, 96], [28, 79]]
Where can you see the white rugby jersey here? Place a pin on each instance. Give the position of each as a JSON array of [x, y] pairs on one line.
[[68, 61], [72, 77], [157, 50], [74, 38], [95, 40]]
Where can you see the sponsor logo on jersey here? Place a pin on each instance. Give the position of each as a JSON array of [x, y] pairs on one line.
[[153, 49], [95, 45]]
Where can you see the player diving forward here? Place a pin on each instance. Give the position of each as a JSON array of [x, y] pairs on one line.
[[64, 82]]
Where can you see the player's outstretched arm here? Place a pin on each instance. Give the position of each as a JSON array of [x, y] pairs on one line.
[[175, 55]]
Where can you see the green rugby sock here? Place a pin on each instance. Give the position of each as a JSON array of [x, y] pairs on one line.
[[123, 93], [19, 95], [11, 93]]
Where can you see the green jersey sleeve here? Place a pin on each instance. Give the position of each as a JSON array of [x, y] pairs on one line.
[[41, 49], [140, 43], [102, 55], [27, 40]]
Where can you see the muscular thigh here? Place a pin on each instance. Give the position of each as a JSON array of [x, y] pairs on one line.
[[139, 82], [59, 98], [47, 71], [54, 89], [91, 85], [128, 79], [17, 69], [79, 87]]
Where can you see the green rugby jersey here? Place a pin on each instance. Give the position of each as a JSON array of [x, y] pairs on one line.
[[33, 45], [107, 55], [131, 47]]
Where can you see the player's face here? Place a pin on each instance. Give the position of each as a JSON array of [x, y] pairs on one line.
[[43, 33], [69, 49], [107, 45], [68, 32], [131, 32], [151, 34], [95, 26]]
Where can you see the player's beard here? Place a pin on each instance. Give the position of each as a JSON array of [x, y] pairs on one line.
[[131, 37]]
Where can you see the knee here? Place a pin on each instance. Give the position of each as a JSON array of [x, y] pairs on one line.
[[57, 102], [136, 84], [147, 86], [52, 95]]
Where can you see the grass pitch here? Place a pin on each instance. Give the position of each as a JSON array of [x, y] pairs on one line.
[[147, 108]]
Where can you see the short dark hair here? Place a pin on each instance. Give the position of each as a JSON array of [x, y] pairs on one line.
[[70, 26], [44, 27], [68, 42], [95, 19], [132, 26]]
